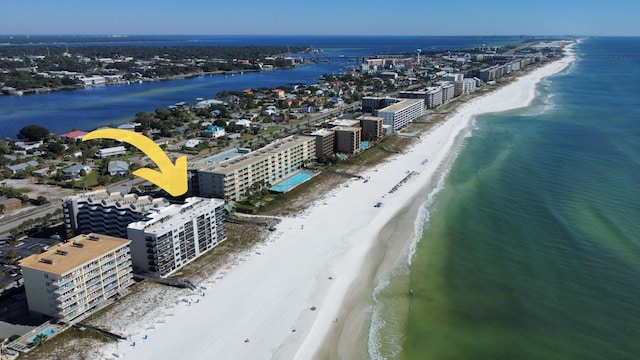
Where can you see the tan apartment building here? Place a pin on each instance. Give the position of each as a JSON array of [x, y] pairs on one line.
[[72, 278], [230, 179]]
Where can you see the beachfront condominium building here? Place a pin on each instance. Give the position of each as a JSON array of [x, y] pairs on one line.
[[373, 103], [432, 96], [230, 179], [347, 139], [491, 73], [371, 127], [465, 86], [325, 140], [448, 91], [402, 113], [343, 122], [453, 77], [106, 212], [72, 278], [169, 238]]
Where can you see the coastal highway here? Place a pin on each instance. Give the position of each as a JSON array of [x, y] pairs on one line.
[[11, 221]]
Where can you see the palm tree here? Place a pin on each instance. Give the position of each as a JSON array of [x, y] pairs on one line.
[[39, 339]]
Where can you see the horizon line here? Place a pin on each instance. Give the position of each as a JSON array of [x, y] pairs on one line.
[[296, 35]]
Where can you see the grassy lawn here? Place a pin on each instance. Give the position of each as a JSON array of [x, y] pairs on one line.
[[89, 181], [270, 129]]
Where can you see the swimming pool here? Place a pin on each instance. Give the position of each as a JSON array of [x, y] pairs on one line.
[[291, 182], [48, 331]]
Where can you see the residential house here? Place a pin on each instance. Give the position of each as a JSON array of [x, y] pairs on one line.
[[204, 104], [214, 131], [42, 172], [244, 123], [117, 167], [22, 166], [278, 93], [127, 126], [192, 144], [112, 151], [73, 171], [28, 145]]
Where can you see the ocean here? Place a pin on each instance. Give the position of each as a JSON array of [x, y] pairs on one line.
[[90, 108], [531, 248]]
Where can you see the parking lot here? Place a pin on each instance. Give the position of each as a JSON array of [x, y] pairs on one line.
[[24, 247]]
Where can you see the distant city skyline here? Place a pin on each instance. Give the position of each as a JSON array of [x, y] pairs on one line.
[[329, 17]]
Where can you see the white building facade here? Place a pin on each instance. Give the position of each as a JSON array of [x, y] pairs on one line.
[[398, 115], [169, 238]]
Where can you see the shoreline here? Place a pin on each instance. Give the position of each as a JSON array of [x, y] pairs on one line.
[[283, 301], [186, 76], [347, 344]]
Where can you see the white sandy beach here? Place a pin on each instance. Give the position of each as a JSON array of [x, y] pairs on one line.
[[311, 260]]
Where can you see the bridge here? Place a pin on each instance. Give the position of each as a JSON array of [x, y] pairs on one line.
[[359, 59]]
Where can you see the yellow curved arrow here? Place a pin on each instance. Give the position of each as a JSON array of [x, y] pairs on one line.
[[171, 178]]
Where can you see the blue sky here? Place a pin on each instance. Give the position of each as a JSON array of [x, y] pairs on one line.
[[327, 17]]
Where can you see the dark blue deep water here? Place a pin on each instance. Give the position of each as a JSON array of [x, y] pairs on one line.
[[87, 109]]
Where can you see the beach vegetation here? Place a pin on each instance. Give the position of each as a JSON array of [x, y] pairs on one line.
[[72, 343]]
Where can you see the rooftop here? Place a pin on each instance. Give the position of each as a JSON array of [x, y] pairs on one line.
[[343, 122], [346, 128], [401, 105], [158, 219], [75, 133], [368, 117], [62, 258], [229, 166], [219, 157], [322, 132], [119, 199]]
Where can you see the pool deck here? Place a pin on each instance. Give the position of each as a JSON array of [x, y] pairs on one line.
[[284, 186], [23, 344]]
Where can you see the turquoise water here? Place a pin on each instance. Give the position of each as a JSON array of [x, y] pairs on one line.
[[292, 182], [532, 249], [48, 331]]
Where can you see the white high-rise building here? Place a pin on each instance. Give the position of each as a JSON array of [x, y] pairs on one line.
[[170, 237], [403, 112]]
